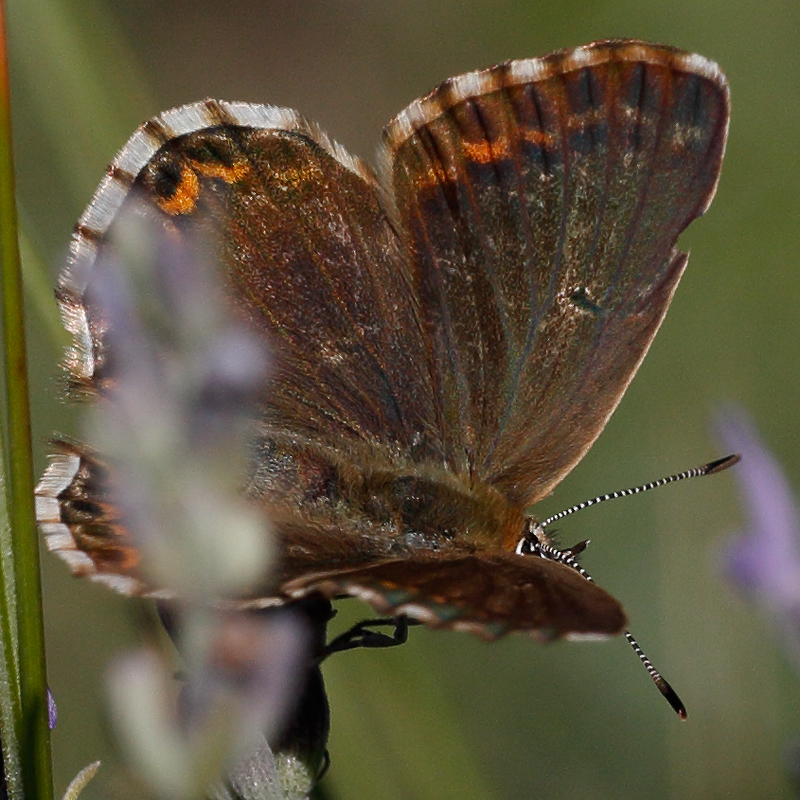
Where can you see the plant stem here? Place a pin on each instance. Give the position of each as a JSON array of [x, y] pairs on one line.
[[30, 705]]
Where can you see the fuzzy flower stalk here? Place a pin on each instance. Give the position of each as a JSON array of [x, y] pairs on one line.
[[174, 428]]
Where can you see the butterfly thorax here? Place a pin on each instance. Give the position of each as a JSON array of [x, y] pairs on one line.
[[397, 504], [431, 509]]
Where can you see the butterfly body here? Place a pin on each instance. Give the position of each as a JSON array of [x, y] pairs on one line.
[[450, 333]]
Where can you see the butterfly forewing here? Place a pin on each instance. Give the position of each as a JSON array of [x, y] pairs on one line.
[[541, 202], [314, 264]]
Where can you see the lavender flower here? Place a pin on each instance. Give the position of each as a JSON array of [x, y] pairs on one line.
[[764, 559], [174, 423], [52, 711], [186, 374]]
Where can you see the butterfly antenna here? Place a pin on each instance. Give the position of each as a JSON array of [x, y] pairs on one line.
[[568, 557], [707, 469], [545, 550], [669, 693]]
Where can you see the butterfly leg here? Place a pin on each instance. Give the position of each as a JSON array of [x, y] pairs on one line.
[[577, 549], [363, 635]]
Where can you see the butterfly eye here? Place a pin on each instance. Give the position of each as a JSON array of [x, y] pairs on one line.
[[531, 543], [525, 547]]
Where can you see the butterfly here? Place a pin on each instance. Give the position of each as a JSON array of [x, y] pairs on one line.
[[451, 332]]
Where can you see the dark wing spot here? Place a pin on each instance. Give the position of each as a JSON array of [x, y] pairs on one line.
[[167, 180]]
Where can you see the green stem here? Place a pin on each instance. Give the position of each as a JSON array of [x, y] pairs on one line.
[[28, 701]]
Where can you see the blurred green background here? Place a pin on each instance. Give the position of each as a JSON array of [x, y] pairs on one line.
[[447, 716]]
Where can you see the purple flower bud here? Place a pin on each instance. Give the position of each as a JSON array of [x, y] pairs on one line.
[[764, 559], [52, 711]]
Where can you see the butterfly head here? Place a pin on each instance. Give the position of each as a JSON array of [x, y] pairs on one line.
[[536, 542]]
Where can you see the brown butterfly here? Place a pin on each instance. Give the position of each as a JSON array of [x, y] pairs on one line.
[[451, 333]]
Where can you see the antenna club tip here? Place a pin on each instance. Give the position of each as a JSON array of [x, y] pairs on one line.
[[671, 697], [722, 464]]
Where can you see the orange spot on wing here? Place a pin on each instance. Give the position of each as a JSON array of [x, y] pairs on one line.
[[486, 152], [230, 173], [184, 198]]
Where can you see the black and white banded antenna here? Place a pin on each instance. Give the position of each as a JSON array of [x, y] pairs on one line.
[[568, 557], [707, 469]]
